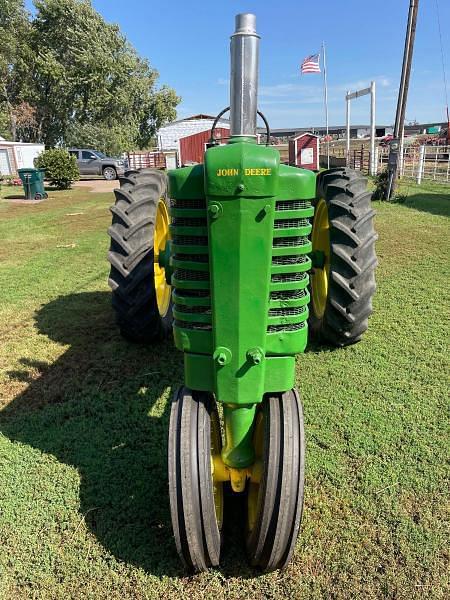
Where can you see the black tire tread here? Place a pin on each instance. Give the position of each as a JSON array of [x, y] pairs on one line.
[[196, 533], [131, 277], [271, 543], [353, 259]]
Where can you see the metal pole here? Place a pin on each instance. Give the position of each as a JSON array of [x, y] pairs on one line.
[[348, 128], [325, 92], [421, 164], [244, 50], [403, 90], [372, 128]]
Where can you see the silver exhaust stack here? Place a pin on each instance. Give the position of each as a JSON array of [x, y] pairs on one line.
[[244, 50]]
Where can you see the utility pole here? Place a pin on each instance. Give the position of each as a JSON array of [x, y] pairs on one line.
[[396, 144]]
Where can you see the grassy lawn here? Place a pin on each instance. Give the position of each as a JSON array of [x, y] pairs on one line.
[[83, 486]]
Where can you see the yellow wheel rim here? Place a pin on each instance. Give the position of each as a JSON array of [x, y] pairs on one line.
[[320, 242], [216, 448], [253, 488], [161, 236]]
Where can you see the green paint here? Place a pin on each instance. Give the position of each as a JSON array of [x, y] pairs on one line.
[[238, 451], [239, 254]]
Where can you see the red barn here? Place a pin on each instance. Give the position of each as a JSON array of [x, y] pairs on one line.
[[304, 151], [192, 147]]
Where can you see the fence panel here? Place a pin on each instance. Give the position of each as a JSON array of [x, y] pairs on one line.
[[435, 164], [430, 163], [360, 160], [145, 160]]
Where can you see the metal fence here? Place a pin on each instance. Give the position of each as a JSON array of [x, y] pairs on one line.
[[142, 160], [360, 160], [430, 163], [434, 164]]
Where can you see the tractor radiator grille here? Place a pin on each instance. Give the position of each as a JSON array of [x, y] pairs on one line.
[[188, 222], [190, 240], [290, 241], [193, 325], [286, 277], [198, 310], [288, 298], [197, 203], [287, 312], [289, 260], [203, 258], [290, 223], [292, 204], [196, 294], [192, 303], [289, 295], [287, 327], [190, 275]]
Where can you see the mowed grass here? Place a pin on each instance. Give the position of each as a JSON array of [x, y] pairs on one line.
[[84, 507]]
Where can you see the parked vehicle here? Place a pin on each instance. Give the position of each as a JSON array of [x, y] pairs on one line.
[[93, 162]]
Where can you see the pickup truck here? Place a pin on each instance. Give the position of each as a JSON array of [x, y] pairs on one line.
[[93, 162]]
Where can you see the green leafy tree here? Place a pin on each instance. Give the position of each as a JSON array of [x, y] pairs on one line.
[[80, 77], [15, 55], [89, 75], [61, 168], [112, 140]]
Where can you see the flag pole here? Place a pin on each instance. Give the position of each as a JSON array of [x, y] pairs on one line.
[[325, 96]]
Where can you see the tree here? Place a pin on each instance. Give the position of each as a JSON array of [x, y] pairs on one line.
[[111, 140], [83, 80], [14, 55], [88, 75]]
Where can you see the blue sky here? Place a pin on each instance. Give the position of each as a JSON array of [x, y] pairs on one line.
[[188, 42]]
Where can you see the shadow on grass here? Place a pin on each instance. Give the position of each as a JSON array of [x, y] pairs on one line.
[[98, 408], [432, 203], [14, 197]]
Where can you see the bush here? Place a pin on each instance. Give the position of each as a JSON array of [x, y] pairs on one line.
[[381, 182], [61, 168]]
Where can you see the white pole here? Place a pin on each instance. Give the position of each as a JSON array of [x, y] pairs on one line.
[[348, 129], [421, 164], [372, 129], [325, 91]]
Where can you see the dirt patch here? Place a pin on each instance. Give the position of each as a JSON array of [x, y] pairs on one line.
[[98, 185]]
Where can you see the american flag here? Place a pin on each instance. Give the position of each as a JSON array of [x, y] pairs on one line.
[[311, 64]]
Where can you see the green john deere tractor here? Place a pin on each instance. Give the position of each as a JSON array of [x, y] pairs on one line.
[[238, 256]]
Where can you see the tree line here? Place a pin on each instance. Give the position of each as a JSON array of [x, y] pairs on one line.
[[69, 78]]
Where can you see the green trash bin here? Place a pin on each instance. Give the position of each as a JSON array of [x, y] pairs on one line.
[[33, 183]]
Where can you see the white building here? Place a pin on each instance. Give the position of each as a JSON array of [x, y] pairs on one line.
[[17, 155], [169, 136]]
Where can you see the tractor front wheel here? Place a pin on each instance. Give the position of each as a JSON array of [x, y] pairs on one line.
[[275, 502], [344, 259], [196, 502]]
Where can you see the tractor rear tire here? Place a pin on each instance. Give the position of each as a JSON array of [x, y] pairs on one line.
[[351, 259], [278, 498], [196, 503], [132, 275]]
